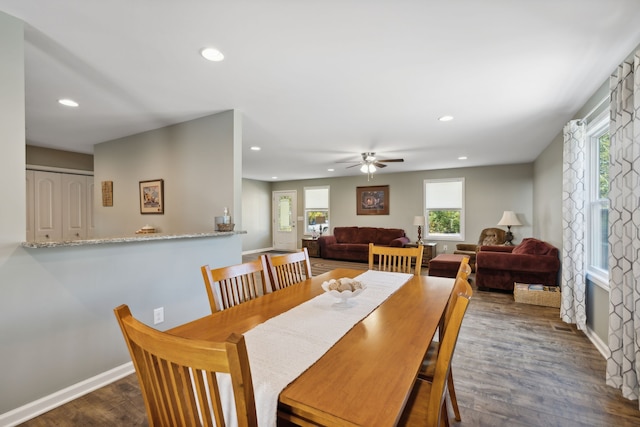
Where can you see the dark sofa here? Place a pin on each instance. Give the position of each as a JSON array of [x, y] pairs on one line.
[[352, 243], [532, 261]]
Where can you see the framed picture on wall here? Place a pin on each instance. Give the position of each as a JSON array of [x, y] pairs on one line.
[[152, 197], [372, 200]]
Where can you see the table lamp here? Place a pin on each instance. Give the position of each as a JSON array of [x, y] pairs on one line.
[[509, 218], [320, 221], [419, 221]]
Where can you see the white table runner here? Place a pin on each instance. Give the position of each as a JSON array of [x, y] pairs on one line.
[[284, 346]]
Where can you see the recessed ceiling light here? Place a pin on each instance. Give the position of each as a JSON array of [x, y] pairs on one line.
[[445, 118], [274, 177], [212, 54], [462, 158], [330, 170], [256, 148], [68, 102]]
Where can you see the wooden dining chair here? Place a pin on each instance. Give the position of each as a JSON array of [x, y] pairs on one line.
[[387, 258], [460, 287], [229, 286], [426, 405], [288, 269], [178, 375]]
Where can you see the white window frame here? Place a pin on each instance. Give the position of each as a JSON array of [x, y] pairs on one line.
[[316, 208], [595, 129], [436, 236]]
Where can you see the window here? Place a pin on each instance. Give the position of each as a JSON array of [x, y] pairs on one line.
[[316, 210], [598, 200], [444, 207]]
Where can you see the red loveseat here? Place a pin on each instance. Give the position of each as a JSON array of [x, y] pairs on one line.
[[532, 261], [352, 243]]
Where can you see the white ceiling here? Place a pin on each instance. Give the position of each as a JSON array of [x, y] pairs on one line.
[[321, 81]]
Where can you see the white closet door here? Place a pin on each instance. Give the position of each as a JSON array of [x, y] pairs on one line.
[[47, 208], [30, 206], [74, 207], [90, 220]]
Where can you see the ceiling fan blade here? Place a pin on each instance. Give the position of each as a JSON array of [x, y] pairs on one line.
[[379, 165], [352, 166], [391, 160], [349, 161]]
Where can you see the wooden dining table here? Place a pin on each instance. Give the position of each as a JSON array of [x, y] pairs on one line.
[[365, 378]]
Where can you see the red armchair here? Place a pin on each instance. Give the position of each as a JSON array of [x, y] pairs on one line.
[[532, 261]]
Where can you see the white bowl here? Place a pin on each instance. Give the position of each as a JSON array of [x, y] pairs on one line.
[[343, 296]]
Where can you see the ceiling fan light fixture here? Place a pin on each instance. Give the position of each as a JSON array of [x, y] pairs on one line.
[[369, 165]]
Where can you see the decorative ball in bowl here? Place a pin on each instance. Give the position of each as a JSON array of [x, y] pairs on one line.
[[343, 289], [225, 227]]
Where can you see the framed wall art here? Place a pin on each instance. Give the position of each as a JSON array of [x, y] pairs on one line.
[[107, 193], [372, 200], [152, 197]]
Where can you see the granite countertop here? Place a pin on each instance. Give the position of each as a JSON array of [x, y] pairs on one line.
[[128, 239]]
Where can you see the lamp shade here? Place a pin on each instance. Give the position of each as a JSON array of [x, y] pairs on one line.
[[509, 218], [418, 220]]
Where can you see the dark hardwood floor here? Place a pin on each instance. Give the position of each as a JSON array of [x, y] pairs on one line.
[[515, 365]]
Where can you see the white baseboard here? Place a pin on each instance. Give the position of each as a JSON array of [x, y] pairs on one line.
[[602, 347], [59, 398], [255, 251]]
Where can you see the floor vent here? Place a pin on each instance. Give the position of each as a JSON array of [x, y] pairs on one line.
[[561, 327]]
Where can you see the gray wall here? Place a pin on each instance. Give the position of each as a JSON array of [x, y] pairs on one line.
[[256, 215], [187, 156], [547, 194], [57, 326], [488, 192], [58, 158]]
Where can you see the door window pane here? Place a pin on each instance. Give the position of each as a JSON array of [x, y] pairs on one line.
[[284, 213]]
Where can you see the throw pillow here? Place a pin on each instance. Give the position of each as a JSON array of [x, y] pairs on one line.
[[531, 246]]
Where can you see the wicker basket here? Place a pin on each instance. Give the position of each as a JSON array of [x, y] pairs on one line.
[[225, 227], [549, 296]]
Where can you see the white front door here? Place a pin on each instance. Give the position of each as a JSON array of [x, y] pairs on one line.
[[285, 235]]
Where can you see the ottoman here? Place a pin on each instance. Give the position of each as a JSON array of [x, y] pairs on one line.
[[445, 265]]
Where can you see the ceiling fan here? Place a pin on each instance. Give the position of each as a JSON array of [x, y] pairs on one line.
[[370, 162]]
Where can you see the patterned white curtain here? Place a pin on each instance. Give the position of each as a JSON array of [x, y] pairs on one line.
[[573, 225], [623, 366]]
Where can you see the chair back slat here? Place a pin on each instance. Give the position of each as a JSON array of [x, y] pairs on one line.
[[400, 260], [178, 375], [233, 285], [289, 269]]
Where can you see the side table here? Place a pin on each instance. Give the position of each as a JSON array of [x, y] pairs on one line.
[[312, 246], [428, 253]]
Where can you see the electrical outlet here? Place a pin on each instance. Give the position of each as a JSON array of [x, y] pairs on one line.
[[158, 315], [445, 247]]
